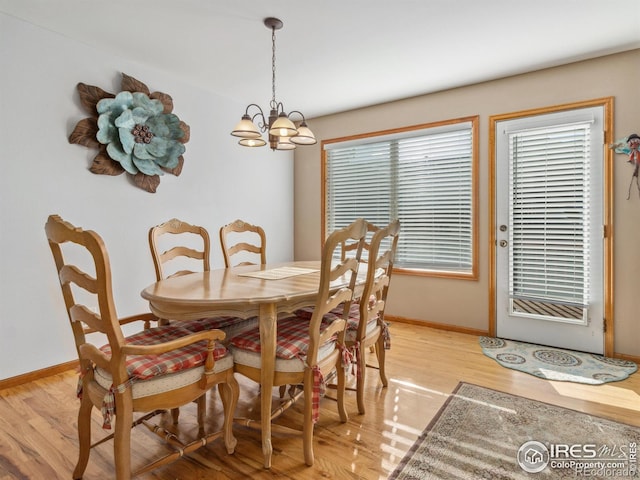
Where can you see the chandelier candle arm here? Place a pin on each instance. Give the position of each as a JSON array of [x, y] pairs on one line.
[[282, 131]]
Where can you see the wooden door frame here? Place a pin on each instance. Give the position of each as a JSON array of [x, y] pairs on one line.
[[607, 104]]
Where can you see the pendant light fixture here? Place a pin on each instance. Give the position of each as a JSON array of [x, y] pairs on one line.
[[283, 133]]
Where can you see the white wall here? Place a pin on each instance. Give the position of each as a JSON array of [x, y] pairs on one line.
[[42, 173]]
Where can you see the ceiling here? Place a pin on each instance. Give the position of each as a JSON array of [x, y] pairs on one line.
[[336, 55]]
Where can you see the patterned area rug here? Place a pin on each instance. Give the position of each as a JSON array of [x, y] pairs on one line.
[[481, 433], [556, 364]]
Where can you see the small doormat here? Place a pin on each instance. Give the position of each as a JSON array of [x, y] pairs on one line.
[[556, 364]]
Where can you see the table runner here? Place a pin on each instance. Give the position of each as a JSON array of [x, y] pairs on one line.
[[279, 272]]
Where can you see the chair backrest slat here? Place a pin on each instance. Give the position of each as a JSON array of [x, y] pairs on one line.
[[72, 274], [181, 251]]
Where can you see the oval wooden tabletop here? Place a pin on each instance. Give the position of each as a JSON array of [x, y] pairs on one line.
[[231, 286]]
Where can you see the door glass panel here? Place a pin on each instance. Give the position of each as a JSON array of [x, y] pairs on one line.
[[549, 222]]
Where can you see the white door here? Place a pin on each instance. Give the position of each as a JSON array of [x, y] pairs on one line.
[[549, 238]]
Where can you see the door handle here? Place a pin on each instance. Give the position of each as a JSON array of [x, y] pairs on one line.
[[503, 243]]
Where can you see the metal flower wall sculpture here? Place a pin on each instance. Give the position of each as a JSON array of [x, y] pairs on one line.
[[134, 131], [630, 146]]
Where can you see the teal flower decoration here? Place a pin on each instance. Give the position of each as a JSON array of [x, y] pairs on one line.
[[137, 133], [134, 131]]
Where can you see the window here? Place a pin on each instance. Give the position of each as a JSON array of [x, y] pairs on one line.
[[425, 176]]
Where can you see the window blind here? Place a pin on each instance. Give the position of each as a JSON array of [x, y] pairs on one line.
[[549, 220], [425, 180]]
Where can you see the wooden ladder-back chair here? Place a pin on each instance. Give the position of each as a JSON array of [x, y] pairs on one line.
[[146, 373], [366, 326], [245, 240], [372, 333], [179, 248], [178, 251], [196, 254], [307, 350]]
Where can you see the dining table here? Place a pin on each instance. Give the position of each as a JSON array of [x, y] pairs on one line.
[[264, 291]]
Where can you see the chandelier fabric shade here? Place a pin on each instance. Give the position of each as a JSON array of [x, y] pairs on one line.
[[304, 136], [283, 127], [282, 131], [284, 143], [252, 142], [246, 128]]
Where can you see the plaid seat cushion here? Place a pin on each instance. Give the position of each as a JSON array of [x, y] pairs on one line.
[[143, 367], [352, 322], [292, 341], [153, 374], [231, 326], [292, 344], [352, 328]]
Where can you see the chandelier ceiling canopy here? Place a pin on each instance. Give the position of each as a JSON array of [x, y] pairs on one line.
[[283, 133]]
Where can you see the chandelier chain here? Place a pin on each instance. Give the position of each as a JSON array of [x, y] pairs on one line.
[[273, 67]]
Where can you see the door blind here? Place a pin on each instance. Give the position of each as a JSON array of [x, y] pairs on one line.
[[549, 226]]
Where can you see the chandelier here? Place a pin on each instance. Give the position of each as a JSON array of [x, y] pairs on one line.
[[283, 133]]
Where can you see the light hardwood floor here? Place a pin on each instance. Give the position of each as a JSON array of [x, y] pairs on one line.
[[38, 437]]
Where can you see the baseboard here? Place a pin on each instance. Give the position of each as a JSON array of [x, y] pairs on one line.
[[31, 376], [630, 358], [472, 331], [439, 326]]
